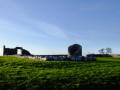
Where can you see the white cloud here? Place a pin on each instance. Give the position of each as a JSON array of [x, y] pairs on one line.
[[50, 29], [39, 28], [8, 26]]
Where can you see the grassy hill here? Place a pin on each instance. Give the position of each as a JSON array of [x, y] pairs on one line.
[[18, 74]]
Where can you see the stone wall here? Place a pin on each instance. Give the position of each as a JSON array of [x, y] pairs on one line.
[[13, 51]]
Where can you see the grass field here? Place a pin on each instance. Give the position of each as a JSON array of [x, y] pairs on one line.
[[21, 74]]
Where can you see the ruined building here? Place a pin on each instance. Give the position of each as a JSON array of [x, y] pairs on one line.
[[15, 51], [75, 50]]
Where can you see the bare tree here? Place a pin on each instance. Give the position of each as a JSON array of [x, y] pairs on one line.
[[105, 51], [108, 50], [101, 51]]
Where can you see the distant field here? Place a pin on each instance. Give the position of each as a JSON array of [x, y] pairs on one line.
[[21, 74], [116, 55]]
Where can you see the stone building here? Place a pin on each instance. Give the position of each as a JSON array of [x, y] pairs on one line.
[[14, 51], [75, 50]]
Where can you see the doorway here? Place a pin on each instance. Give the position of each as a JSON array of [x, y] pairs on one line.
[[19, 52]]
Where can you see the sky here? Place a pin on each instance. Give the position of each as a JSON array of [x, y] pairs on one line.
[[50, 26]]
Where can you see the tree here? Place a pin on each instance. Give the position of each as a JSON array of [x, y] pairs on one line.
[[105, 51], [101, 51], [108, 50]]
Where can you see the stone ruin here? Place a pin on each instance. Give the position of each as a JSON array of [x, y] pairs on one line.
[[75, 50], [14, 51], [74, 54]]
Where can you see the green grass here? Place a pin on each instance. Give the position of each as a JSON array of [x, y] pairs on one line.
[[18, 74]]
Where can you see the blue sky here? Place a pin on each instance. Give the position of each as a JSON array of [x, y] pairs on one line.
[[50, 26]]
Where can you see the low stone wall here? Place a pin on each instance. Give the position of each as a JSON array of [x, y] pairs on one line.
[[50, 58]]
